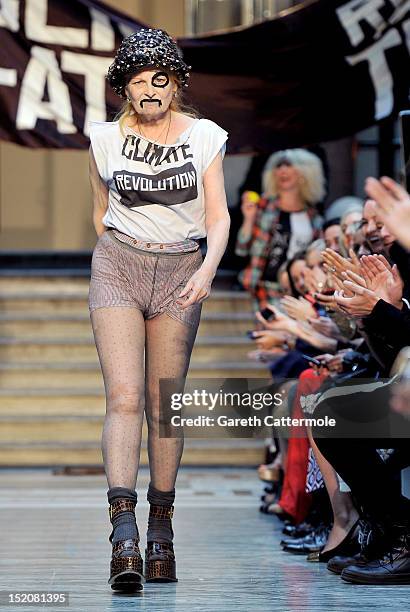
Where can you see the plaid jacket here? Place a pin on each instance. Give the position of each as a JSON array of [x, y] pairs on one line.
[[258, 246]]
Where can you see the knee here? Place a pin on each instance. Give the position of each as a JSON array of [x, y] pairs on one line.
[[125, 399]]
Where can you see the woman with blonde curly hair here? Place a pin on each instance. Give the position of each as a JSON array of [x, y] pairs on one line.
[[283, 222]]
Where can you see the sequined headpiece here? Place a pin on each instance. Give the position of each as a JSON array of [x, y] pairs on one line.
[[147, 48]]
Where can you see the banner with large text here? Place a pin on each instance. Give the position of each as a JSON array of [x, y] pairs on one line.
[[323, 71]]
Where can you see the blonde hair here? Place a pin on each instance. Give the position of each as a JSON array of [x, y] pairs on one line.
[[177, 105], [317, 245], [308, 165]]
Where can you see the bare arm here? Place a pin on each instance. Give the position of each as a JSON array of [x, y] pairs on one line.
[[217, 219], [301, 330], [99, 195], [217, 222], [251, 214]]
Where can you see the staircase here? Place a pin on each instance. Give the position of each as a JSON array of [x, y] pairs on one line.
[[52, 401]]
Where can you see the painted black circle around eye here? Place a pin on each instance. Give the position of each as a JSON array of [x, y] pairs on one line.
[[160, 79]]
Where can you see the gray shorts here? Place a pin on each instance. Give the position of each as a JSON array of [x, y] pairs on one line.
[[148, 276]]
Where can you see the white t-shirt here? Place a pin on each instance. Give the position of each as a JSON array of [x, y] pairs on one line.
[[156, 191], [301, 233]]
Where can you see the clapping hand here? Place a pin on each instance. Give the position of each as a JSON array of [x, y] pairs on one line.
[[377, 280], [382, 278], [336, 264], [299, 309], [393, 206]]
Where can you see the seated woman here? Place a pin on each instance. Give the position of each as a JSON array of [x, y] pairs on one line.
[[284, 221]]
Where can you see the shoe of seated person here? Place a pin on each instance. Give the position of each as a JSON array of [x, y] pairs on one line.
[[275, 508], [337, 564], [291, 540], [313, 542], [392, 568], [269, 473], [297, 531], [373, 544], [349, 546]]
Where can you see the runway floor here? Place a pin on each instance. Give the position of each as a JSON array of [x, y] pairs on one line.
[[55, 539]]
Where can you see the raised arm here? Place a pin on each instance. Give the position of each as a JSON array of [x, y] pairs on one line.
[[249, 210]]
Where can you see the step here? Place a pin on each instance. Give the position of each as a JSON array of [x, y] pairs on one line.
[[60, 428], [80, 375], [56, 429], [43, 284], [77, 301], [53, 302], [196, 452], [52, 406], [58, 401], [53, 325], [22, 350]]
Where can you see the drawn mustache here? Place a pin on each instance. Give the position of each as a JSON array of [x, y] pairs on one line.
[[150, 100]]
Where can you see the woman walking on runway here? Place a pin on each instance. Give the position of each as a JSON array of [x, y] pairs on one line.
[[158, 187]]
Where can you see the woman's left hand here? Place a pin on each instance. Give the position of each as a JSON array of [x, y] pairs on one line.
[[362, 302], [336, 264], [197, 289], [383, 279]]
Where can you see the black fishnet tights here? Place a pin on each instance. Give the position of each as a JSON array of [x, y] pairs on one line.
[[120, 334]]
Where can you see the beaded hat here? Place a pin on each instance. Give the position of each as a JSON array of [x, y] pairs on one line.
[[147, 48]]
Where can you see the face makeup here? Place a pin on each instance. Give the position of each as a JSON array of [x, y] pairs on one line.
[[151, 92]]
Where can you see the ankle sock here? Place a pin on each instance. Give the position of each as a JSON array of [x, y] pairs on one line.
[[124, 524], [160, 530]]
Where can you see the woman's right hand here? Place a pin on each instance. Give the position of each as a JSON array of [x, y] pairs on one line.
[[281, 322], [248, 206]]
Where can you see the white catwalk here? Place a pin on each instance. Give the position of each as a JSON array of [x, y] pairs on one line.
[[54, 538]]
